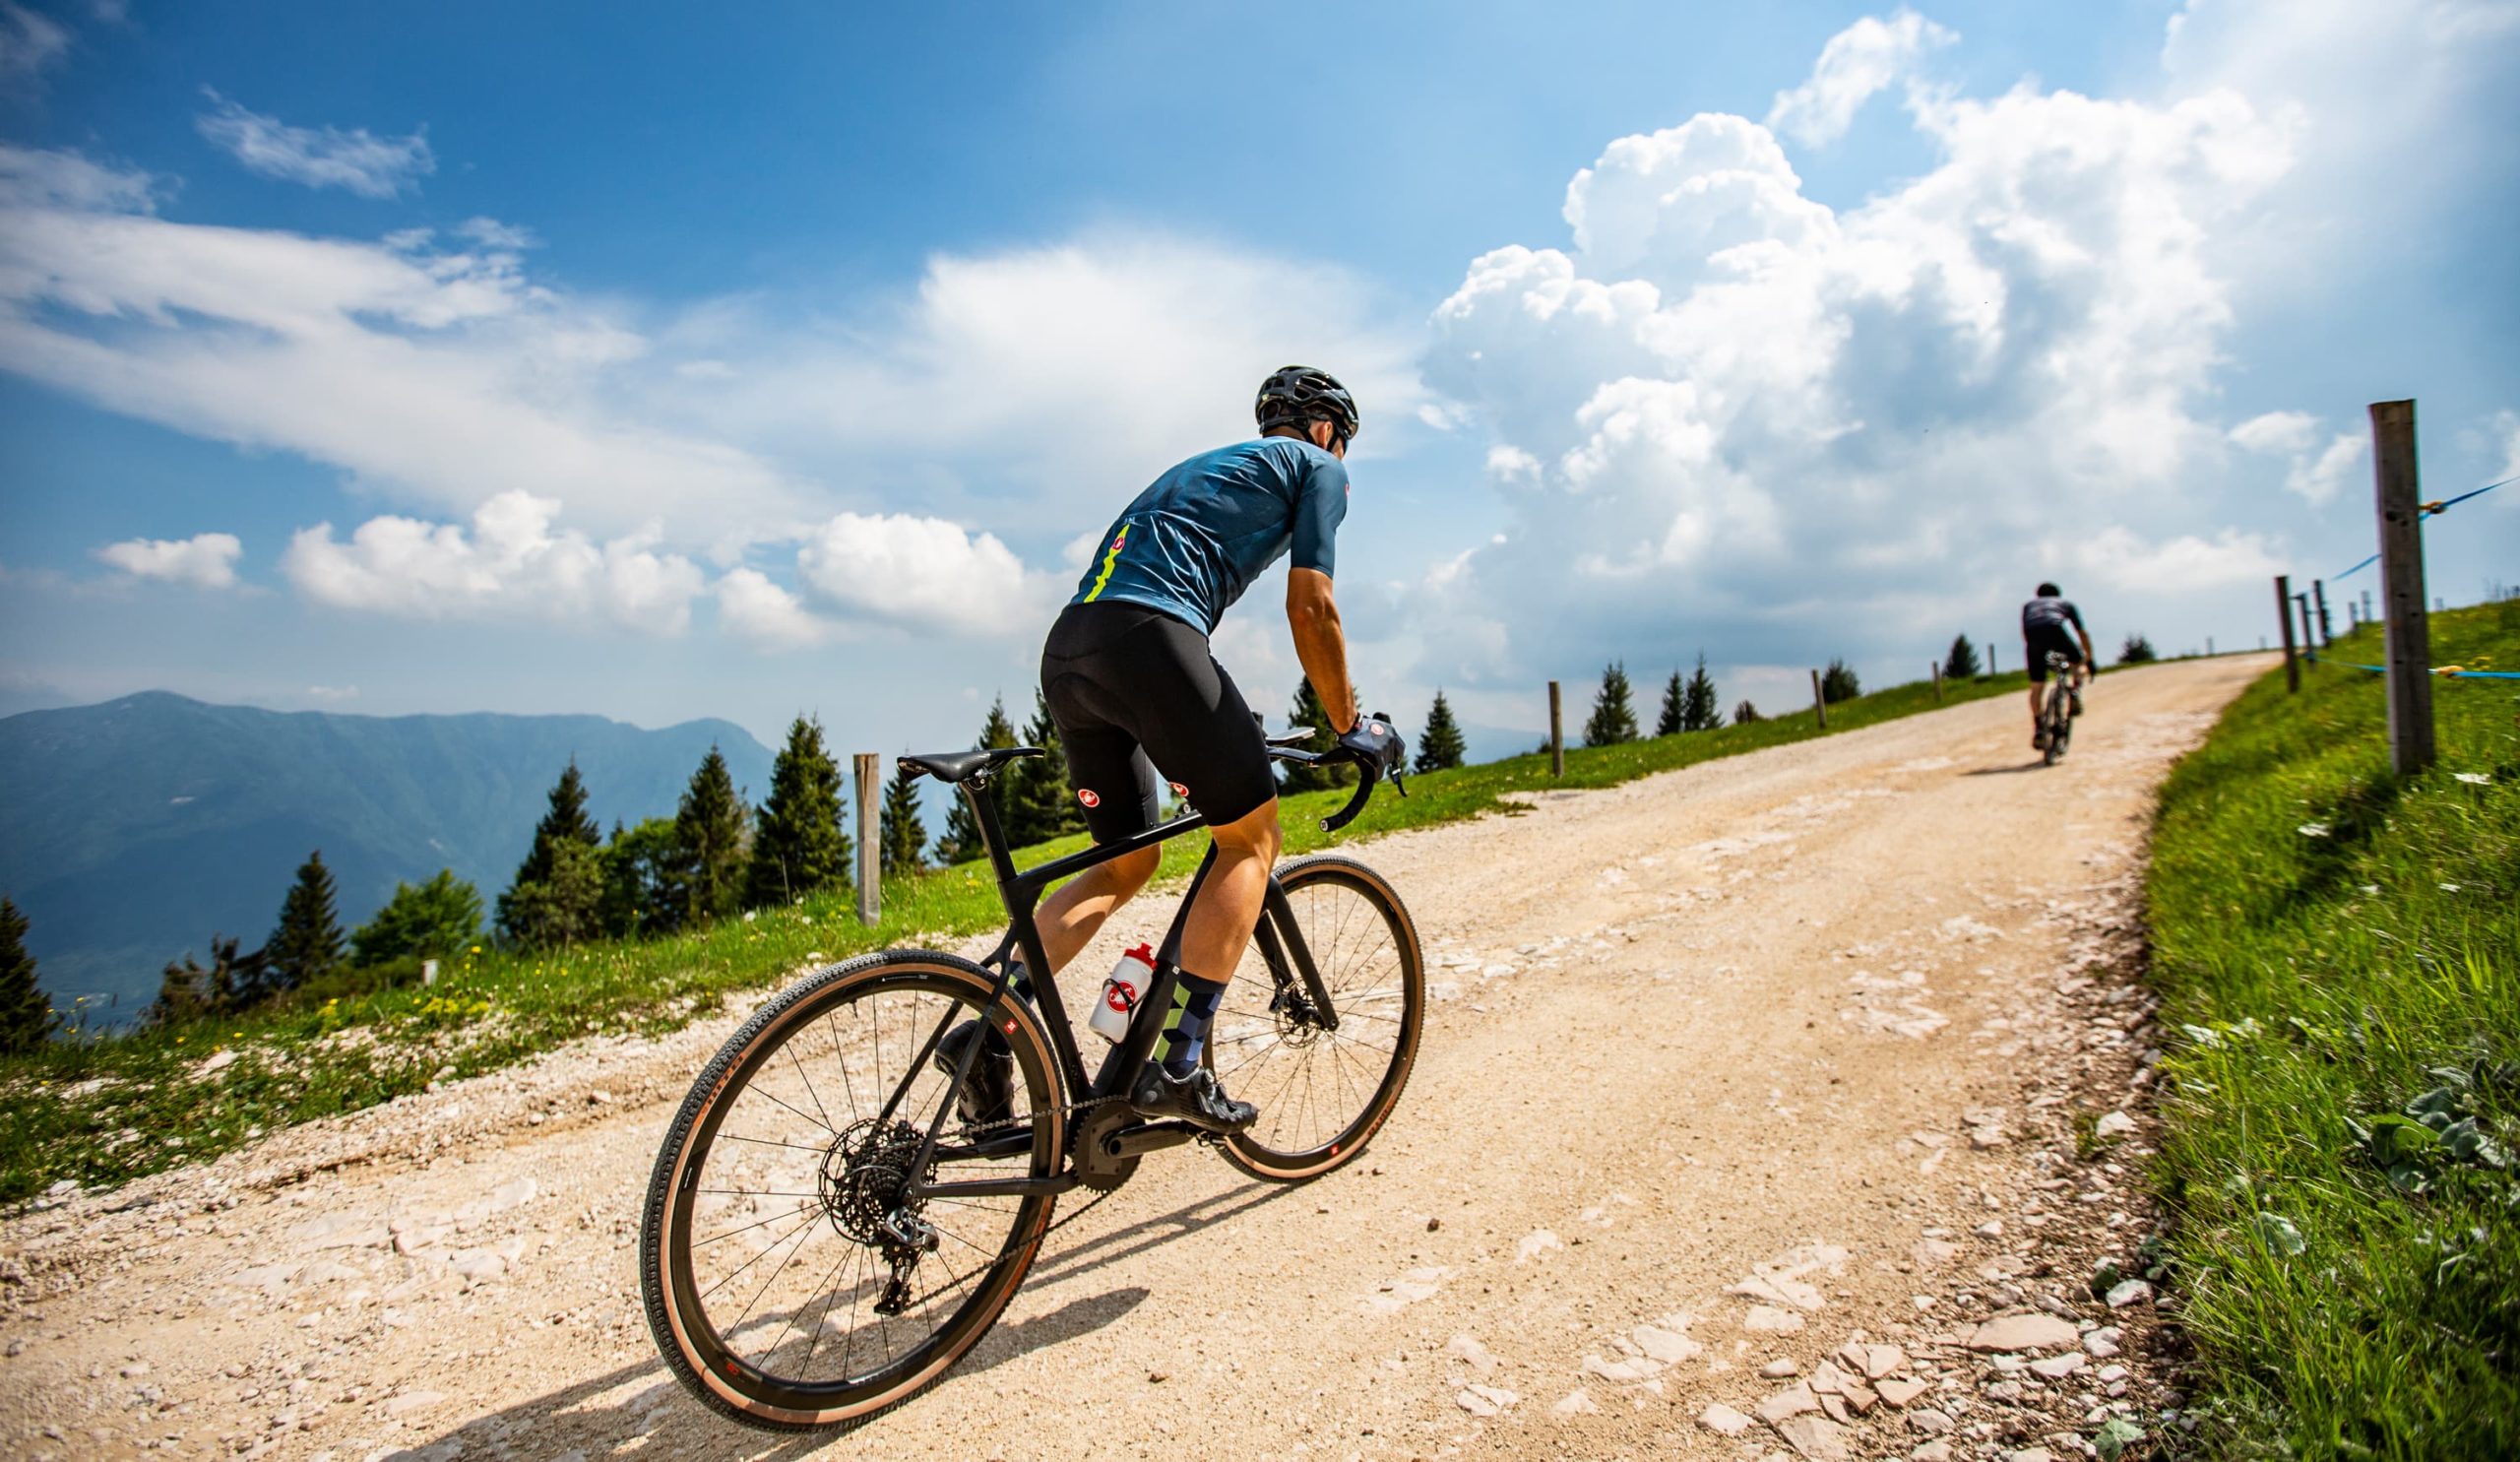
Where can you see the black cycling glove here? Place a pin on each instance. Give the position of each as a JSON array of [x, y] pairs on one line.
[[1374, 742]]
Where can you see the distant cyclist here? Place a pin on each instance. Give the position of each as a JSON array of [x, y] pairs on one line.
[[1140, 702], [2043, 628]]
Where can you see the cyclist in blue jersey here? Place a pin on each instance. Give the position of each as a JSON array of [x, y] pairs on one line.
[[2043, 628], [1140, 702]]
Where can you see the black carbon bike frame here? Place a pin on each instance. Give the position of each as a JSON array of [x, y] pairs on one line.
[[1281, 943]]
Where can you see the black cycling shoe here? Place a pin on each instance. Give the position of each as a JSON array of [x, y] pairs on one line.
[[1195, 1099], [989, 1096]]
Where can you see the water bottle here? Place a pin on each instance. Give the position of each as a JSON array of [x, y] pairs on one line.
[[1130, 980]]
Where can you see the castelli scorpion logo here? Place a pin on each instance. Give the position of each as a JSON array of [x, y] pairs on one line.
[[1089, 797]]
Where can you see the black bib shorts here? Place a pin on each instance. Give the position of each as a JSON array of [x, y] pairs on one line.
[[2041, 638], [1139, 703]]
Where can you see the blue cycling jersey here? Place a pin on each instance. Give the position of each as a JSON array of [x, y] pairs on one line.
[[1194, 540], [2048, 611]]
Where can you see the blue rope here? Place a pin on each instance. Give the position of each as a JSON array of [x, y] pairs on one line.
[[2431, 510], [2446, 673]]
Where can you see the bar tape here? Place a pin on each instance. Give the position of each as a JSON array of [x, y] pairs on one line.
[[2434, 509]]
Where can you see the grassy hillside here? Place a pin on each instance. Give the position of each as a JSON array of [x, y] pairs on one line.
[[2339, 953], [99, 1112]]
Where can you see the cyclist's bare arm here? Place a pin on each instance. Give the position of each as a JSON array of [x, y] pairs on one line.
[[1320, 645], [2091, 661]]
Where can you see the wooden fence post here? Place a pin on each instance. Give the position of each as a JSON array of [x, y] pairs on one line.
[[2309, 638], [1936, 667], [1557, 735], [2327, 632], [2283, 616], [870, 864], [1819, 701], [2408, 633], [1990, 659]]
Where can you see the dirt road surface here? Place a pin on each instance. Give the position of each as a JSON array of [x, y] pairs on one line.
[[1725, 1069]]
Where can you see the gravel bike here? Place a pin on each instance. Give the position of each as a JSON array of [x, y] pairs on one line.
[[2056, 712], [827, 1232]]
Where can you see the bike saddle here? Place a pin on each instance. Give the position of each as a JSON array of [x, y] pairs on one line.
[[951, 767]]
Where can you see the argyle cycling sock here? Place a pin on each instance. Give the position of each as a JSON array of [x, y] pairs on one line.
[[1190, 1032]]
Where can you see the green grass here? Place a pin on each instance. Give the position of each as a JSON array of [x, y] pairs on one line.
[[105, 1111], [2339, 954]]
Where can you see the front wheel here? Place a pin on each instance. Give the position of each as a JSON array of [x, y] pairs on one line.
[[1322, 1092], [788, 1281]]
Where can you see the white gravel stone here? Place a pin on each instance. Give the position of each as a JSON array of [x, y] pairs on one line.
[[1723, 1419], [1575, 1404], [2023, 1332], [2129, 1292]]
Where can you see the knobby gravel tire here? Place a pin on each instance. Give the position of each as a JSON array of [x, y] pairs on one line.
[[1367, 1077], [704, 1362]]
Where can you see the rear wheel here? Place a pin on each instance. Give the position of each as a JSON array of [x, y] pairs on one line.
[[788, 1282], [1322, 1093]]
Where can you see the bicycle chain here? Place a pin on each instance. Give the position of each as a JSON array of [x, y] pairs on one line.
[[1074, 1113]]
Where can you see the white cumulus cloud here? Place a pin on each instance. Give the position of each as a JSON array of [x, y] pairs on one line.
[[358, 160], [206, 560], [513, 562], [922, 573], [2278, 432], [2315, 473], [1859, 61], [754, 607], [1748, 410]]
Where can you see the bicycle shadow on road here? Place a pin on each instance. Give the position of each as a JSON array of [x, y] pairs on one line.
[[654, 1412], [2028, 766]]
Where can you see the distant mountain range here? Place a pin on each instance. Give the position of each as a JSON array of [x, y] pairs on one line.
[[138, 828]]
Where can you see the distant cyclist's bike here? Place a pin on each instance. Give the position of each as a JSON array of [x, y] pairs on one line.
[[829, 1229], [2056, 712]]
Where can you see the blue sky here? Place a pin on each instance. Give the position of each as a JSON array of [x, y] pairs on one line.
[[652, 366]]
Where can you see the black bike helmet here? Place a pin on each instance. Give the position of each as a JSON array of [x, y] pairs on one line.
[[1298, 395]]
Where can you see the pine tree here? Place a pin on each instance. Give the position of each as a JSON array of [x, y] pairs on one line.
[[1674, 717], [1962, 663], [1439, 745], [1700, 710], [566, 907], [797, 847], [435, 919], [961, 840], [232, 982], [708, 843], [566, 817], [1839, 684], [1307, 711], [307, 944], [903, 834], [1746, 713], [1036, 800], [1613, 719], [27, 1018], [564, 821], [638, 893], [2137, 651]]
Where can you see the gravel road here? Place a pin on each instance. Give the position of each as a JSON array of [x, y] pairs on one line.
[[1781, 1104]]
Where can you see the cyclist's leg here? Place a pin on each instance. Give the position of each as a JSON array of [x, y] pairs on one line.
[[2035, 655], [1117, 785], [1228, 902]]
